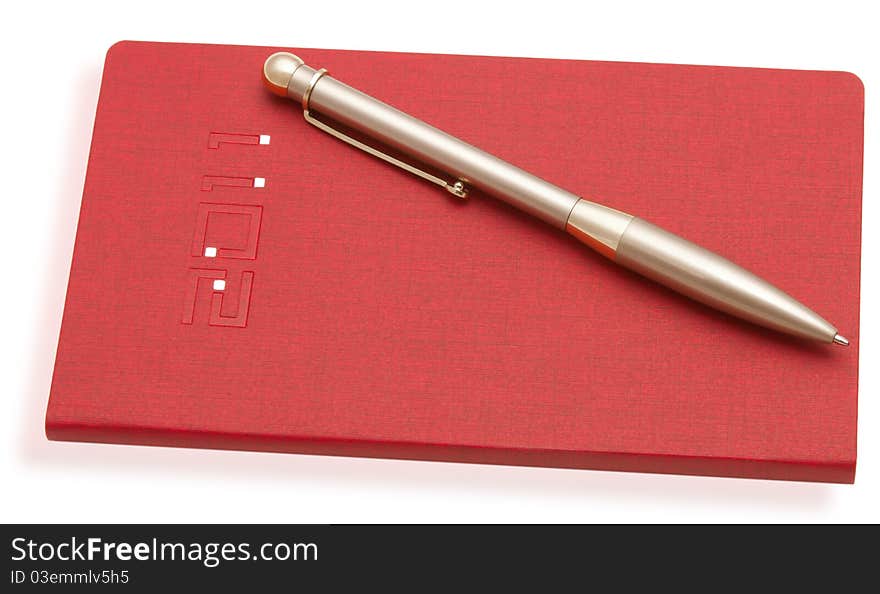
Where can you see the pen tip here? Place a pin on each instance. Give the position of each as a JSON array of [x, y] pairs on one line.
[[838, 339]]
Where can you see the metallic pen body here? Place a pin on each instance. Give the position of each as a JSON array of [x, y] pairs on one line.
[[629, 241]]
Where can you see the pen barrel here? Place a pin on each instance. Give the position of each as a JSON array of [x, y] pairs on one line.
[[422, 142], [707, 277]]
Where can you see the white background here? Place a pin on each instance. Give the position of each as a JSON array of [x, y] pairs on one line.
[[51, 69]]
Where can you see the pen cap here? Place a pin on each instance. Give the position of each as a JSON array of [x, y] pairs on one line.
[[462, 164]]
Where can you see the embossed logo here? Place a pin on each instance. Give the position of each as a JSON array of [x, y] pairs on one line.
[[224, 245]]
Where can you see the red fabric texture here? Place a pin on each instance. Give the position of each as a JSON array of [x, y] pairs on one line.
[[367, 312]]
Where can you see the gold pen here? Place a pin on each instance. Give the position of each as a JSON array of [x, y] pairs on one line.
[[630, 241]]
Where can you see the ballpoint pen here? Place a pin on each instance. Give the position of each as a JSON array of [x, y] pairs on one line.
[[627, 240]]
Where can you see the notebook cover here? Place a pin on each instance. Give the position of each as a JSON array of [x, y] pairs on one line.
[[293, 294]]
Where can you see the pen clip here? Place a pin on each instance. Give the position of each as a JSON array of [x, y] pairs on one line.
[[457, 188]]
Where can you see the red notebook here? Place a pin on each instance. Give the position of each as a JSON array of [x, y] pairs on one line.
[[243, 280]]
